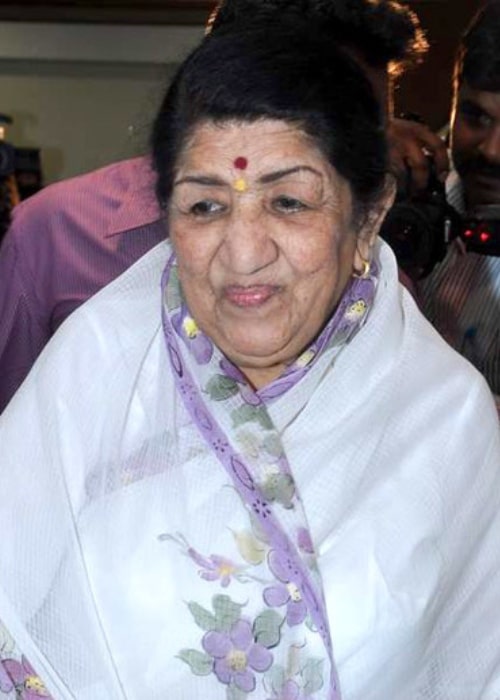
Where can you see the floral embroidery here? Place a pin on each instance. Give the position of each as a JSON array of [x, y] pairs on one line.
[[21, 677], [252, 549], [214, 567], [281, 594], [304, 541], [7, 643], [236, 655], [286, 607], [6, 684], [356, 310], [193, 337], [279, 487], [289, 691], [302, 684], [234, 648], [286, 592], [306, 357], [231, 371], [218, 568], [190, 327]]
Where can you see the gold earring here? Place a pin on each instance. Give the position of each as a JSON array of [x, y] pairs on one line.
[[364, 272]]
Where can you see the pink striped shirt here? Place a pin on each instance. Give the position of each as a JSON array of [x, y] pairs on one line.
[[64, 244]]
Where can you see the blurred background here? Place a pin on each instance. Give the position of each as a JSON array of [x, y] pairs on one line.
[[80, 80]]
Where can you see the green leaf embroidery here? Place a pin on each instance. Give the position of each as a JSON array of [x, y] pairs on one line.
[[173, 292], [220, 388], [201, 664], [203, 618], [312, 674], [226, 612], [275, 678], [246, 414], [272, 445], [234, 693], [258, 530], [280, 488], [267, 627], [309, 623]]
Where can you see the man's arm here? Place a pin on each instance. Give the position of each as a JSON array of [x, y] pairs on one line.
[[410, 144], [23, 328]]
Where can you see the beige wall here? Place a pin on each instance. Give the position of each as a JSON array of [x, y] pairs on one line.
[[84, 113]]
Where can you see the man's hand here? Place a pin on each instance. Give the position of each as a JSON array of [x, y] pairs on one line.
[[410, 145]]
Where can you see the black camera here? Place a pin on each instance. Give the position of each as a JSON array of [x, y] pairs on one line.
[[418, 227], [481, 230]]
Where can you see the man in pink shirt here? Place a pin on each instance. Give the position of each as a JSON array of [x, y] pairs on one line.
[[65, 244]]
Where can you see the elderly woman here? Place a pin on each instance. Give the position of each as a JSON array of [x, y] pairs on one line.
[[249, 468]]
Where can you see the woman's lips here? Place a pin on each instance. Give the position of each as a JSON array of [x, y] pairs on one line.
[[248, 297]]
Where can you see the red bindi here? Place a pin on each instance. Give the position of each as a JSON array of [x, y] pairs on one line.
[[241, 163]]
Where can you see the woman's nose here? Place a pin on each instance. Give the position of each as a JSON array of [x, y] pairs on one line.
[[249, 244]]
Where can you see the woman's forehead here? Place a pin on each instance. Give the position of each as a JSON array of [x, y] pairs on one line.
[[250, 146]]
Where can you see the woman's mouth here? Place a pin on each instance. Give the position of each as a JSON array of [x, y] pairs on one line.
[[249, 297]]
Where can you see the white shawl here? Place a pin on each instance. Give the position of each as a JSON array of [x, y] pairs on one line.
[[107, 490]]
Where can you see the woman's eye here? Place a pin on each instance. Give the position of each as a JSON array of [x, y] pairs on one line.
[[288, 205], [206, 207]]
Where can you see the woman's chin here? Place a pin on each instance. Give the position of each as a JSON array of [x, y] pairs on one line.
[[254, 350]]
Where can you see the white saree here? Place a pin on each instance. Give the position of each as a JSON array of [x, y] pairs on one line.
[[127, 557]]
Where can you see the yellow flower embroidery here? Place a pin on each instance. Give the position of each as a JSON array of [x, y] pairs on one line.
[[294, 592], [356, 310], [225, 568], [36, 684], [306, 357], [190, 327]]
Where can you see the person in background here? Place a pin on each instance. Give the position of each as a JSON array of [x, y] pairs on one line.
[[74, 237], [244, 469], [461, 296]]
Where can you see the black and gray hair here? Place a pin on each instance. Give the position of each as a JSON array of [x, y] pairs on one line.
[[293, 73], [385, 33]]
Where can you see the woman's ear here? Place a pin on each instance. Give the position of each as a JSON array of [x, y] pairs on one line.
[[368, 232]]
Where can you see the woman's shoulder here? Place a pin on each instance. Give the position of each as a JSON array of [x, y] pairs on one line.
[[424, 373], [105, 358]]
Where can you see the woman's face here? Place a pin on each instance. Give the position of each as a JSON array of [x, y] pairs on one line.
[[261, 224]]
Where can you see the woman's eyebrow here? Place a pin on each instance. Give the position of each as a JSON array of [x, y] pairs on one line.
[[209, 180], [278, 174], [214, 181]]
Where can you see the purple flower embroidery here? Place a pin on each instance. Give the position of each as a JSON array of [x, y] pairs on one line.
[[304, 541], [196, 341], [281, 385], [6, 684], [23, 679], [236, 655], [286, 592], [231, 371], [214, 567]]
